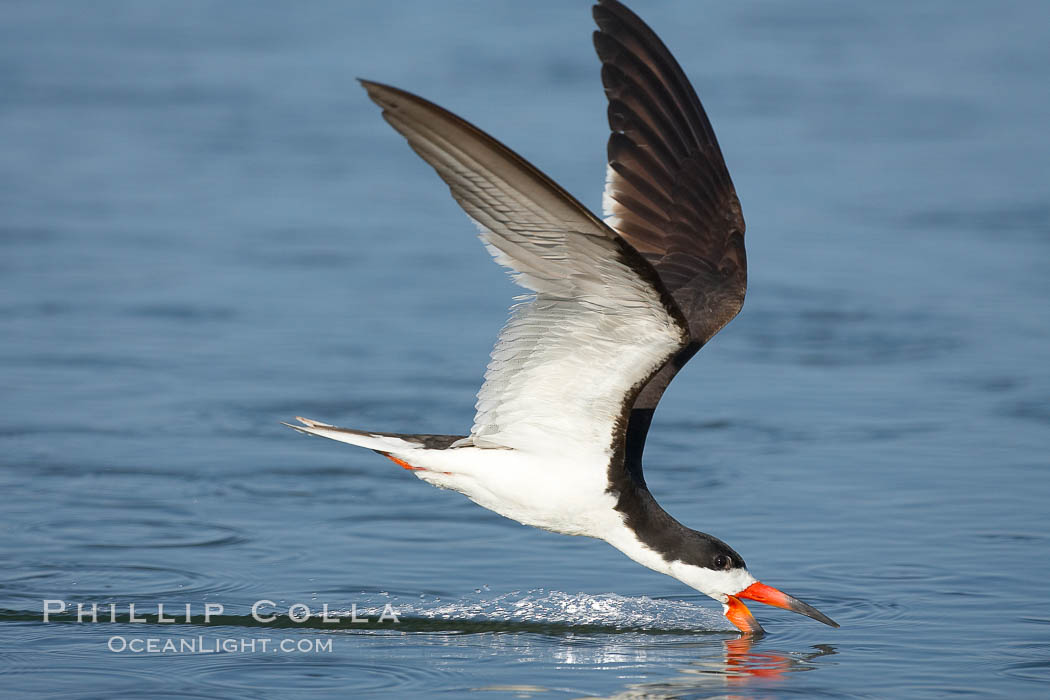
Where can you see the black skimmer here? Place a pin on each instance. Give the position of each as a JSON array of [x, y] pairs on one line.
[[618, 306]]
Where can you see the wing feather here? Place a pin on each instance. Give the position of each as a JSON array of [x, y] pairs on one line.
[[599, 324], [668, 193]]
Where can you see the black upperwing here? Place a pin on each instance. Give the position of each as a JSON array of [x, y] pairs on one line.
[[668, 194]]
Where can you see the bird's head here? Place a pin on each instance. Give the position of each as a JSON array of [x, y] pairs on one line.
[[713, 568]]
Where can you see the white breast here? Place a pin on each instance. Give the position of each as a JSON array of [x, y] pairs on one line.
[[544, 491]]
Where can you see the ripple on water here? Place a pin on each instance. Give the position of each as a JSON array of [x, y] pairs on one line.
[[1036, 410], [1029, 660], [184, 313], [1034, 670], [839, 598], [141, 533], [888, 571], [112, 681], [834, 337], [104, 582], [294, 673]]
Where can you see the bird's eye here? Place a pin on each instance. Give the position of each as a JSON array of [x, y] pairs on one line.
[[722, 562]]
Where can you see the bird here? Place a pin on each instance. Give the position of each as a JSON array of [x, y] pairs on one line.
[[616, 307]]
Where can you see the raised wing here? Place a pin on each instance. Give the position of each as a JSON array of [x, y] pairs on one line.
[[570, 362], [667, 192]]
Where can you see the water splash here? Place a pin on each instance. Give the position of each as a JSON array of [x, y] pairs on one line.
[[542, 606]]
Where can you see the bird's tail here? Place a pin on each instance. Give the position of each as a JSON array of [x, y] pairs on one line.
[[395, 446]]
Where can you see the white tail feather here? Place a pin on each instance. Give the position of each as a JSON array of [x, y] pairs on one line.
[[381, 443]]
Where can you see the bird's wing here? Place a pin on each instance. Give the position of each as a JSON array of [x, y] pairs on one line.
[[667, 192], [571, 360]]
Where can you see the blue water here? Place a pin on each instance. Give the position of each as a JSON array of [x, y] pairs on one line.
[[206, 229]]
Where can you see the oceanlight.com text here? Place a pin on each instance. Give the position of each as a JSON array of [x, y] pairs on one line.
[[120, 644]]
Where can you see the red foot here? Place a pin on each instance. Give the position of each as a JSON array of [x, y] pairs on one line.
[[404, 465]]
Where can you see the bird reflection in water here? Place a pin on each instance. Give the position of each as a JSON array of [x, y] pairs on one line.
[[742, 663], [741, 668]]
